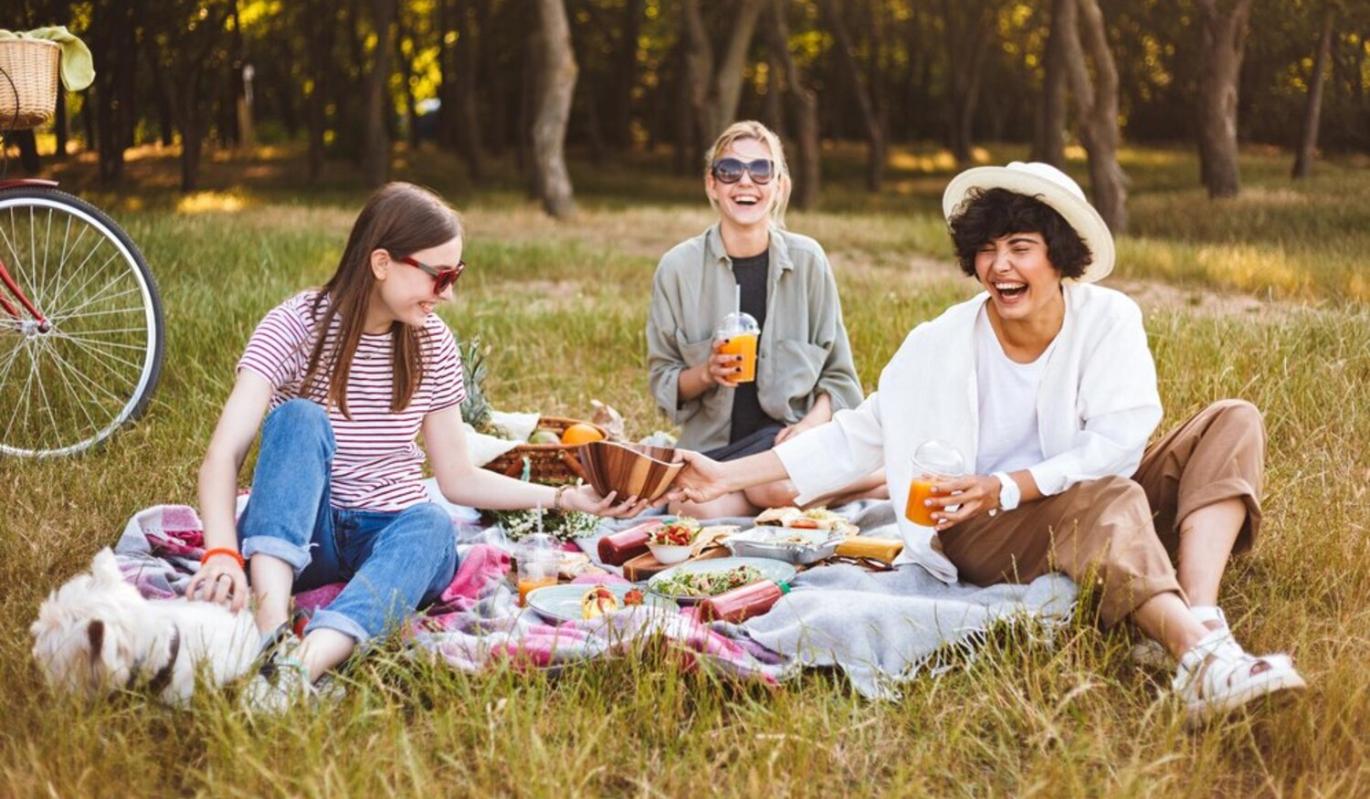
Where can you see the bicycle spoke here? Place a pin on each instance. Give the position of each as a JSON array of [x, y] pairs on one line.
[[23, 398], [133, 309], [97, 349], [97, 343], [64, 367], [90, 383], [67, 314], [47, 403], [61, 289]]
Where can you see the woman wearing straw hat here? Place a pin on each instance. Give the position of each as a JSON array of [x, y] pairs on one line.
[[801, 369], [1045, 385]]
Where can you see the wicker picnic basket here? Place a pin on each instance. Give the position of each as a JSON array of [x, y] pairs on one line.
[[28, 85], [547, 463]]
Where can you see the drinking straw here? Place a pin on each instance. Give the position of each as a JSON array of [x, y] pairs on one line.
[[737, 301]]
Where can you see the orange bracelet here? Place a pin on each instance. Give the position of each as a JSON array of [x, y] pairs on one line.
[[232, 553]]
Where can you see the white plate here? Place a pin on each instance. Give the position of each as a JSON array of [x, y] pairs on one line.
[[562, 602], [775, 570]]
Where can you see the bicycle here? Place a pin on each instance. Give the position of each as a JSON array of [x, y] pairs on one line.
[[81, 323]]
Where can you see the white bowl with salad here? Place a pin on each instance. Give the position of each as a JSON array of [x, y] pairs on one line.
[[672, 541]]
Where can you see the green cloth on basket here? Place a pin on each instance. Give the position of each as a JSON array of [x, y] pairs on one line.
[[77, 67]]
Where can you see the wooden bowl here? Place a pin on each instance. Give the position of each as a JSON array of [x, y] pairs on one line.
[[633, 470]]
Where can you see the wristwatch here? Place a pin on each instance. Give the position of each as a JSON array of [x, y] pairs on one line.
[[1009, 493]]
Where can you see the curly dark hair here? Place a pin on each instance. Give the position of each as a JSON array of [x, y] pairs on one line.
[[989, 214]]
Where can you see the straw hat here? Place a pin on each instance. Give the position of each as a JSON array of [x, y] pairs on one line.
[[1053, 187]]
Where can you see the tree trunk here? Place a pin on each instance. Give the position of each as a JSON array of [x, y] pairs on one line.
[[683, 160], [1223, 40], [699, 68], [320, 37], [620, 128], [1096, 105], [1050, 142], [406, 64], [967, 43], [468, 127], [727, 89], [805, 104], [1308, 142], [875, 137], [775, 103], [376, 145], [556, 87]]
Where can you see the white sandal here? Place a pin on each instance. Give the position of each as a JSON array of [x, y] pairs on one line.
[[1149, 653], [1217, 676]]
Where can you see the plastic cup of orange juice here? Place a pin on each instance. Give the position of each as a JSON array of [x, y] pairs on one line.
[[537, 565], [737, 334], [937, 460]]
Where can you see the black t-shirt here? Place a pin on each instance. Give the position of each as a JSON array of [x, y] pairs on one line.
[[751, 274]]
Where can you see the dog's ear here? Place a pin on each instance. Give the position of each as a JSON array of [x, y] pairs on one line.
[[95, 632], [105, 567]]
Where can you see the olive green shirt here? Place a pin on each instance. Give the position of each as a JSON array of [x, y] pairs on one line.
[[803, 352]]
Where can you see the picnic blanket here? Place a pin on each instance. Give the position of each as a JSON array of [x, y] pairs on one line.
[[880, 629]]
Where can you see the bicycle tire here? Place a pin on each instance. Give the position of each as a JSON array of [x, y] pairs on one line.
[[34, 428]]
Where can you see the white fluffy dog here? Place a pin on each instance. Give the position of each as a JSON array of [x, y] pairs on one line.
[[97, 634]]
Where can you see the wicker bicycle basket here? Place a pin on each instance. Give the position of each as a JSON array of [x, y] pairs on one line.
[[547, 463], [28, 85]]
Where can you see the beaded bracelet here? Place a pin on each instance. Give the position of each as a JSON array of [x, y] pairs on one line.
[[232, 553]]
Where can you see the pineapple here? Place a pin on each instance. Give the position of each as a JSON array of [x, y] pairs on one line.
[[476, 409]]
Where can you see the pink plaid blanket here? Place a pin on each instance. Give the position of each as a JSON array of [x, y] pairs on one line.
[[477, 620]]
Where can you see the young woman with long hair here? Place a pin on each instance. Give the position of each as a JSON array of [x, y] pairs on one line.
[[351, 374]]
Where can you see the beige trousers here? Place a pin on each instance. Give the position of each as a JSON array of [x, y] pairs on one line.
[[1117, 533]]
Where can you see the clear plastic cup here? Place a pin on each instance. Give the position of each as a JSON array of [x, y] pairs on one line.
[[940, 460], [538, 563], [737, 334]]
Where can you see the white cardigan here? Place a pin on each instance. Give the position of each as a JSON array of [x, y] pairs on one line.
[[1096, 407]]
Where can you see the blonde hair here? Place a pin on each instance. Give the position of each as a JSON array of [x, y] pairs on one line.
[[751, 129]]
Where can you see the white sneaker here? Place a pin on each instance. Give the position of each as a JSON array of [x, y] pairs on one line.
[[1217, 676], [283, 682]]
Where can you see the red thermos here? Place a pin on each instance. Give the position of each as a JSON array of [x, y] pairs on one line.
[[742, 603], [620, 548]]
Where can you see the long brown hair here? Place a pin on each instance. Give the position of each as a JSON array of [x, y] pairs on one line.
[[401, 219]]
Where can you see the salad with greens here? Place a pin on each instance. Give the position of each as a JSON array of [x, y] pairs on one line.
[[706, 583]]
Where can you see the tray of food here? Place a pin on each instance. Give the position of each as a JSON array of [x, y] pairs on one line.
[[790, 544], [690, 582], [571, 602]]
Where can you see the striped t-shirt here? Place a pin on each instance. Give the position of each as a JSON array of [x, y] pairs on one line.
[[378, 465]]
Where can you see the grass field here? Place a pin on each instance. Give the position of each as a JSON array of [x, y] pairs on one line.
[[562, 307]]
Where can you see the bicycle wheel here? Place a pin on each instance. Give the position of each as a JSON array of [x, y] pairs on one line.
[[67, 385]]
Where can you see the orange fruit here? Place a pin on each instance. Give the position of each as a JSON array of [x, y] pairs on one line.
[[580, 433]]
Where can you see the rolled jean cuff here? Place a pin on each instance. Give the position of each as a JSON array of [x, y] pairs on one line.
[[279, 548], [333, 620]]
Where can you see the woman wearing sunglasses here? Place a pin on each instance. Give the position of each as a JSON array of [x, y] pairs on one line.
[[351, 373], [803, 367]]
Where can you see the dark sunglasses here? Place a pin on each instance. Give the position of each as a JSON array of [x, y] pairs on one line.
[[443, 276], [730, 170]]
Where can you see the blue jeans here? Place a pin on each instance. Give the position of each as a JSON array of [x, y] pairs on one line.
[[393, 561]]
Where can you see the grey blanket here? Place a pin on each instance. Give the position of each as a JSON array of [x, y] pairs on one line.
[[885, 628]]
